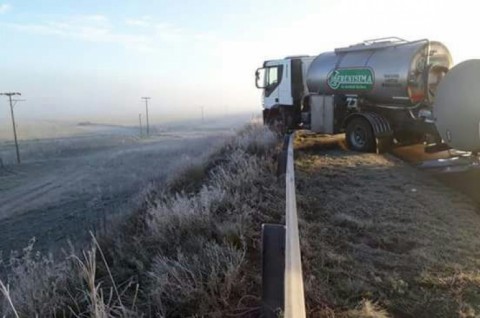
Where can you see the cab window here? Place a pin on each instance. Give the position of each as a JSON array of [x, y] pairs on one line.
[[273, 76]]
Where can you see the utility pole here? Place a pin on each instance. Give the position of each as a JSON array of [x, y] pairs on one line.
[[12, 104], [140, 121], [146, 111]]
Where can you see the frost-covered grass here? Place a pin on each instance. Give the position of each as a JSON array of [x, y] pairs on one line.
[[382, 239], [191, 248]]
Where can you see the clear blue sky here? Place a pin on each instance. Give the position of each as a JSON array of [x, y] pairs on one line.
[[97, 58]]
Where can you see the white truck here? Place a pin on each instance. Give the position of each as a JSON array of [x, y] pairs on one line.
[[378, 92]]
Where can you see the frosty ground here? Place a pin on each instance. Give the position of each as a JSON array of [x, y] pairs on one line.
[[79, 181], [376, 229], [379, 238]]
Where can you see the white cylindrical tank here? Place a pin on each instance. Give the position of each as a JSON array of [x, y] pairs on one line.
[[387, 72], [457, 107]]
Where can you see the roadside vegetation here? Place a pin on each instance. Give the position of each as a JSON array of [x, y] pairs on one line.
[[382, 239], [190, 249], [379, 239]]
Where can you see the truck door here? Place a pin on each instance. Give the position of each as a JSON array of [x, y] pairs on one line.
[[285, 88], [273, 77]]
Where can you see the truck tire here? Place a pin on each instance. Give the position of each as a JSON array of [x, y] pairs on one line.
[[274, 122], [359, 135]]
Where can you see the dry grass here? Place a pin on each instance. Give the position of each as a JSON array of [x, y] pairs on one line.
[[379, 240], [200, 245], [191, 249], [376, 231]]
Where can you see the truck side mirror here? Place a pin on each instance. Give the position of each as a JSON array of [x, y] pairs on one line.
[[259, 78]]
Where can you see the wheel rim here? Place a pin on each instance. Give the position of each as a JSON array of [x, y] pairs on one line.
[[358, 137]]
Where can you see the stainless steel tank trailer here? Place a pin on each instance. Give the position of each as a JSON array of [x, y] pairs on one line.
[[378, 92]]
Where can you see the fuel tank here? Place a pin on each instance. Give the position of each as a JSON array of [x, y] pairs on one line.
[[386, 71]]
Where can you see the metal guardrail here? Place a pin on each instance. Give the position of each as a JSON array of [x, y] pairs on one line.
[[294, 296], [282, 279]]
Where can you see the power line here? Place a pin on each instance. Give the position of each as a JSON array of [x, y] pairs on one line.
[[146, 110], [12, 104], [17, 100]]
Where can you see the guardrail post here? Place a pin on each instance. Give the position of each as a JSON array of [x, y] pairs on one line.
[[273, 269]]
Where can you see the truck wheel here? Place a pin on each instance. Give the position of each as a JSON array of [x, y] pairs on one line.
[[278, 126], [359, 135], [274, 122]]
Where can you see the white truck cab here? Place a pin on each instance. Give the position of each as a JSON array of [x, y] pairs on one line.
[[275, 79], [283, 87]]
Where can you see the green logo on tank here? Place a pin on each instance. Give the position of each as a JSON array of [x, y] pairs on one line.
[[351, 79]]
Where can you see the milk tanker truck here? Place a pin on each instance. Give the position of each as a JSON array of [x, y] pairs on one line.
[[378, 92]]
